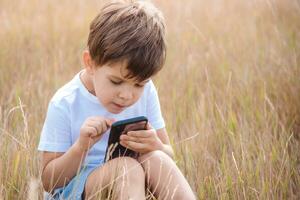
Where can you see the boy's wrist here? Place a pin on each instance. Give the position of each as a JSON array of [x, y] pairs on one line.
[[161, 147], [79, 149]]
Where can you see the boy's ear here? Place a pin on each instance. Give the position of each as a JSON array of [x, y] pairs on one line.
[[88, 62]]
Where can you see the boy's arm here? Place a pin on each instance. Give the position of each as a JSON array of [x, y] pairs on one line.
[[163, 136], [59, 168]]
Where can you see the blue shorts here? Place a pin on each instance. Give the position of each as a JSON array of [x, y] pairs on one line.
[[74, 189]]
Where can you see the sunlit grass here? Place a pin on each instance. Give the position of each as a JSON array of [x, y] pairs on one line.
[[231, 84]]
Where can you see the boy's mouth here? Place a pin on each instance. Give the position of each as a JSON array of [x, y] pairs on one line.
[[119, 106]]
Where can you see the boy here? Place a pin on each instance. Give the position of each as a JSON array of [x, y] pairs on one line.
[[126, 47]]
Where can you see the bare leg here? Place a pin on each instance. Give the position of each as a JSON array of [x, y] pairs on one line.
[[164, 177], [125, 174]]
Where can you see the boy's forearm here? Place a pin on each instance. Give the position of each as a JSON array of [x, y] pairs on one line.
[[60, 171]]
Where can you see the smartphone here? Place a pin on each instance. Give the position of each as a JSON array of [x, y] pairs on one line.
[[114, 148]]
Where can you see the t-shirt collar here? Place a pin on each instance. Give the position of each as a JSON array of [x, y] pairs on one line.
[[84, 90]]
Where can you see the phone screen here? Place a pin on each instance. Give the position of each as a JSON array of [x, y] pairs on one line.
[[134, 127]]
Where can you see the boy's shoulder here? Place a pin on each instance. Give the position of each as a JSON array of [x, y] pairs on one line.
[[151, 86], [67, 92]]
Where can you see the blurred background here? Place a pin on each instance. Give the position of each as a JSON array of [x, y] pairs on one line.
[[229, 91]]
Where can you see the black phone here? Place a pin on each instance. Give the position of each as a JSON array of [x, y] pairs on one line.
[[114, 148]]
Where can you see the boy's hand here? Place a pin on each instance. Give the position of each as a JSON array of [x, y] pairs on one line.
[[92, 130], [142, 141]]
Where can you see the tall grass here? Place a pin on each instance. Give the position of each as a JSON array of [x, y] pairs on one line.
[[229, 92]]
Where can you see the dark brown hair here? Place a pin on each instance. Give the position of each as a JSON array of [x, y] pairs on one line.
[[133, 31]]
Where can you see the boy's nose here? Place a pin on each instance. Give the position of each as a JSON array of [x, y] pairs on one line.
[[126, 94]]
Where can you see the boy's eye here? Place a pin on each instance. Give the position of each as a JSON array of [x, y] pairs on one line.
[[116, 82], [139, 85]]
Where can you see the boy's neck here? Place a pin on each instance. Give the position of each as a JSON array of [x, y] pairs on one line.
[[87, 82]]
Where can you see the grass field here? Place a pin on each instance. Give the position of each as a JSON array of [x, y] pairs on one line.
[[229, 92]]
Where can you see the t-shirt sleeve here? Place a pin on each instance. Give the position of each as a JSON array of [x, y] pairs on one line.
[[56, 132], [153, 109]]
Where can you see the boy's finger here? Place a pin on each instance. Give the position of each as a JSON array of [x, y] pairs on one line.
[[100, 127], [133, 145], [96, 137], [92, 131], [125, 137], [110, 121], [141, 133]]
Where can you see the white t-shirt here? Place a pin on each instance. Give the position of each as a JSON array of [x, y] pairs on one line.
[[73, 104]]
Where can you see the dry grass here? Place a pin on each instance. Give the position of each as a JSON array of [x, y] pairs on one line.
[[232, 78]]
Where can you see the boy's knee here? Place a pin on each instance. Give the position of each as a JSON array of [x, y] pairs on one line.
[[116, 169], [134, 170], [122, 167], [131, 166]]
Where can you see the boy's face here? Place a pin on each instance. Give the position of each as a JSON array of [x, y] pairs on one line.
[[113, 90]]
